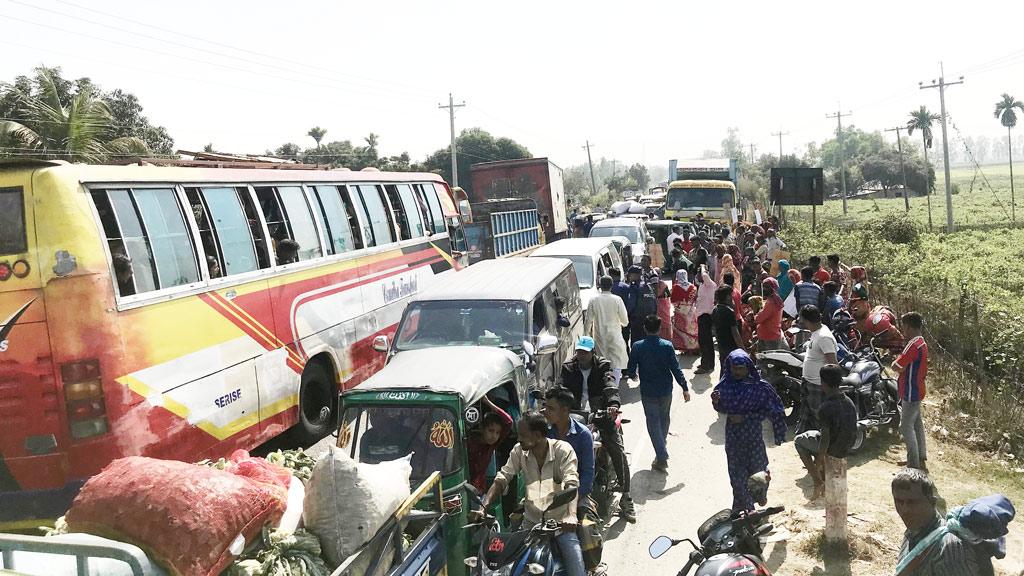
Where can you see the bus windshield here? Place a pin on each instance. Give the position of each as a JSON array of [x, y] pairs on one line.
[[699, 197], [375, 434], [631, 232], [462, 323]]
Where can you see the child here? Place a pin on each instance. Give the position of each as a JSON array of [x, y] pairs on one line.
[[494, 427], [912, 366]]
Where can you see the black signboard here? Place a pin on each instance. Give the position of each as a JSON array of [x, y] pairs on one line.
[[797, 186]]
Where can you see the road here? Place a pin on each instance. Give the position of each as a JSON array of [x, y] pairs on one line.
[[696, 487]]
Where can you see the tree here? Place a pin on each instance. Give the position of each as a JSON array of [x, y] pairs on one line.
[[1007, 116], [474, 145], [921, 120], [638, 172], [371, 143], [317, 133], [128, 121], [336, 154], [65, 120], [208, 147], [290, 151]]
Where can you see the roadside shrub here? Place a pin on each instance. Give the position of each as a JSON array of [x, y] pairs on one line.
[[896, 229]]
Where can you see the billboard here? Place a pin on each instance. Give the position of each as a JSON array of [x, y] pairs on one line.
[[797, 186]]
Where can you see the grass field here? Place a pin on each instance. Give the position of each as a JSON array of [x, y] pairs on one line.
[[977, 206]]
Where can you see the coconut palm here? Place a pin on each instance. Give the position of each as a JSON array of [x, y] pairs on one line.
[[317, 133], [921, 120], [76, 132], [1006, 115], [371, 143]]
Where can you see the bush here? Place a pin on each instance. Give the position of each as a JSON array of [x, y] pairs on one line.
[[896, 229]]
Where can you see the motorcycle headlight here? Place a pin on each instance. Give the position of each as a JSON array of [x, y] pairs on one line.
[[503, 571], [472, 561], [534, 568]]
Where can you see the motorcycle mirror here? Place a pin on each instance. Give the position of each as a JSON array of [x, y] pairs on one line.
[[562, 498], [660, 545]]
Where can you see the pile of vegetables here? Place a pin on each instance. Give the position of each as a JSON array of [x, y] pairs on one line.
[[282, 553]]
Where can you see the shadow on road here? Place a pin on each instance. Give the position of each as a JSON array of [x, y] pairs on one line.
[[777, 557], [716, 431], [650, 485], [629, 394], [701, 383]]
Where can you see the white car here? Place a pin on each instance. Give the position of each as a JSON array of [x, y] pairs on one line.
[[591, 257], [632, 228]]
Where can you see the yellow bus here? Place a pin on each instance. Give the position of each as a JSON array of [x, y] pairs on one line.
[[687, 198], [185, 312]]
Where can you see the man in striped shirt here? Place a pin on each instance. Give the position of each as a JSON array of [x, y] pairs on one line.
[[912, 366]]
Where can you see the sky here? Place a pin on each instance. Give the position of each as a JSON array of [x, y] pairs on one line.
[[642, 81]]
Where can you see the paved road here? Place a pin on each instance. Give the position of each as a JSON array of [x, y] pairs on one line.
[[696, 487]]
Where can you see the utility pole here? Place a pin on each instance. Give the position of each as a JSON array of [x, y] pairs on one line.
[[752, 153], [780, 134], [593, 182], [941, 85], [451, 117], [842, 153], [899, 146]]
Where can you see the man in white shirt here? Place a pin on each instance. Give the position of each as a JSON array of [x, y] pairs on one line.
[[820, 351], [774, 244], [675, 235]]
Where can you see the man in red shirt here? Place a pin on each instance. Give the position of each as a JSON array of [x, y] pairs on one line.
[[495, 426], [912, 366], [769, 319], [820, 274]]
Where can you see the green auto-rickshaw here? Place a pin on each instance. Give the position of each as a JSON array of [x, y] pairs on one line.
[[428, 402]]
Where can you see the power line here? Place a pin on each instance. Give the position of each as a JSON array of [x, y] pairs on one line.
[[899, 145], [780, 134], [941, 85], [842, 153], [451, 117]]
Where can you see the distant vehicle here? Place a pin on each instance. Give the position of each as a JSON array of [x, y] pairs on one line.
[[702, 187], [537, 179], [591, 257], [530, 306], [186, 312], [502, 229], [632, 228]]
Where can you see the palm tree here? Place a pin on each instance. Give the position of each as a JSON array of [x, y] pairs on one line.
[[317, 133], [921, 120], [371, 143], [76, 132], [1008, 117]]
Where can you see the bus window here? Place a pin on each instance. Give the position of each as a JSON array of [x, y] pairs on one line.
[[398, 212], [377, 215], [226, 230], [338, 219], [292, 229], [12, 221], [435, 206], [412, 210], [150, 245]]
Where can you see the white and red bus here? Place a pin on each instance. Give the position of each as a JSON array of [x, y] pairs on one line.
[[184, 312]]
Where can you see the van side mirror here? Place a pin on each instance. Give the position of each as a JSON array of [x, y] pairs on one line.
[[546, 344], [380, 343]]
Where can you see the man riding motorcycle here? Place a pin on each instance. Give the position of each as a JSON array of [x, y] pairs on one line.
[[589, 378]]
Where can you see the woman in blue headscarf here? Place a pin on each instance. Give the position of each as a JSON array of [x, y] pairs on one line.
[[747, 400], [785, 284]]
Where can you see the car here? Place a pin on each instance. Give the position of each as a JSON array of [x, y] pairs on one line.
[[633, 228], [591, 257]]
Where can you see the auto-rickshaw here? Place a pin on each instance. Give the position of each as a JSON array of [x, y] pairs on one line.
[[428, 402]]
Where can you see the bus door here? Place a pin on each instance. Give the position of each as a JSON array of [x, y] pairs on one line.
[[33, 414]]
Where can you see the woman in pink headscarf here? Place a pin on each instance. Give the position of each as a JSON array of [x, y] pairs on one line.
[[684, 318], [663, 295], [727, 267]]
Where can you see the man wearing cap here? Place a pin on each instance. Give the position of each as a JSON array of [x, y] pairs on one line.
[[640, 301], [590, 380]]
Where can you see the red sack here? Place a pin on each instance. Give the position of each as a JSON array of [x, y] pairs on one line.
[[259, 470], [184, 516]]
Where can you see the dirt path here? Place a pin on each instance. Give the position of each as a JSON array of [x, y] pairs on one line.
[[697, 486]]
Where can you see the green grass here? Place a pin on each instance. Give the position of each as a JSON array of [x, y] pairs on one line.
[[971, 207]]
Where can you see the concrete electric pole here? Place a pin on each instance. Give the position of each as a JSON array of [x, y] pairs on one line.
[[780, 134], [451, 117], [752, 153], [842, 155], [941, 85], [899, 146], [593, 182]]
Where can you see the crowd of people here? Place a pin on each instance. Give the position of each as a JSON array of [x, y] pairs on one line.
[[733, 292]]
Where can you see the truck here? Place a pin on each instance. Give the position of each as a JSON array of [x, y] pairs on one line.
[[501, 229], [706, 186], [536, 179]]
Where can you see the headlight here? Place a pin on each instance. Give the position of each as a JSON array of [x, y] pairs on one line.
[[534, 568], [503, 571]]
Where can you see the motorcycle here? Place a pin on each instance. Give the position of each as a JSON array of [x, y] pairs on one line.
[[604, 471], [728, 545], [521, 552], [874, 394], [783, 369]]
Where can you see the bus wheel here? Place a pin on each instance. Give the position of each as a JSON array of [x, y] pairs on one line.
[[317, 404]]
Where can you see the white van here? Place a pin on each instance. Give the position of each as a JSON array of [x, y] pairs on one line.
[[591, 257]]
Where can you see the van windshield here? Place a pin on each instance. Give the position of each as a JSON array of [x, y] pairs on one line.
[[462, 323], [631, 232], [374, 434]]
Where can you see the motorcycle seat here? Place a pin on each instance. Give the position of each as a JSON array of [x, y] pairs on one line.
[[504, 548], [852, 380]]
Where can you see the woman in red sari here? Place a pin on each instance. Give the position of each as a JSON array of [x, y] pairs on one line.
[[684, 320], [663, 296]]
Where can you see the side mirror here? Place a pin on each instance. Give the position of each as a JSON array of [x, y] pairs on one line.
[[562, 498], [380, 343], [528, 348], [660, 545], [563, 321], [546, 344]]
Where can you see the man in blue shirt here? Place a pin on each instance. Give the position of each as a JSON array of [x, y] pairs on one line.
[[807, 292], [656, 359]]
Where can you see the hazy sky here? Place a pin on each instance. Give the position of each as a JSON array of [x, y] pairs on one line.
[[645, 81]]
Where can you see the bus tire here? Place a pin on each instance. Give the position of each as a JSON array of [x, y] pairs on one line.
[[317, 405]]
